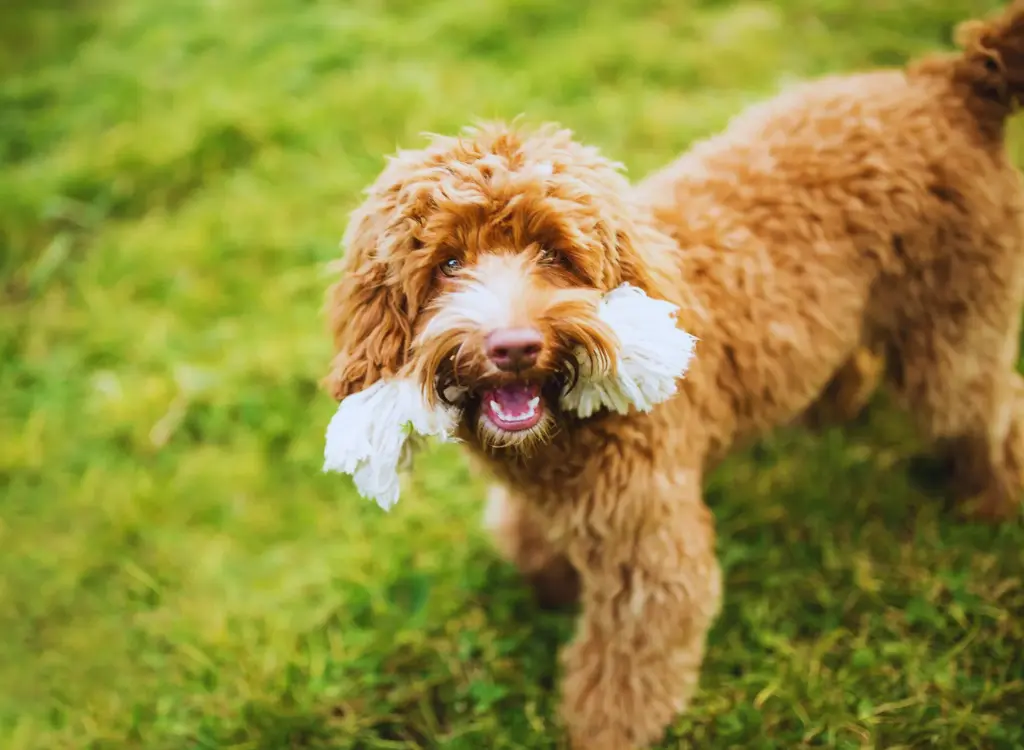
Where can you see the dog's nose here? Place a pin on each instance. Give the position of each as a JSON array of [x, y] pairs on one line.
[[514, 348]]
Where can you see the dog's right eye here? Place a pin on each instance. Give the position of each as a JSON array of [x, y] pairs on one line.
[[549, 257], [451, 266]]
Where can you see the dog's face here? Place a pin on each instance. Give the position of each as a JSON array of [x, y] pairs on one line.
[[476, 265]]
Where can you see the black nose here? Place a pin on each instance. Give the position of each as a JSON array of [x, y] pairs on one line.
[[514, 348]]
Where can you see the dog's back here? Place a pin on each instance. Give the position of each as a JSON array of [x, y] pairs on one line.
[[873, 210]]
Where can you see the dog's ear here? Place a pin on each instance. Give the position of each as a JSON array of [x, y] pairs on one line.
[[643, 256], [644, 259], [366, 308], [621, 228], [650, 260]]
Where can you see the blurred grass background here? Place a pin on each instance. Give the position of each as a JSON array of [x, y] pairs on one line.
[[176, 573]]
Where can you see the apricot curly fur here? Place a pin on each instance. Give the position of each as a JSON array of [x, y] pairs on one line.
[[855, 230]]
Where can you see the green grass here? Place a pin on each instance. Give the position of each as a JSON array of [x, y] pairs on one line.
[[176, 573]]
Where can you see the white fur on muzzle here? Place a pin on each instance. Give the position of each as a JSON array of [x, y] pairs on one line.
[[375, 431]]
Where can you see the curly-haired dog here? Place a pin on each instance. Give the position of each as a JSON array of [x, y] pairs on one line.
[[870, 213]]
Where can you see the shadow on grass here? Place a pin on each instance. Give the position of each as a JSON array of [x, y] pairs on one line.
[[851, 587]]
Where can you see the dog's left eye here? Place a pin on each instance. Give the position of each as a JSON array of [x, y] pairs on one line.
[[450, 267]]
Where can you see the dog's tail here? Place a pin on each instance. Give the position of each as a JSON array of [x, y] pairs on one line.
[[990, 67]]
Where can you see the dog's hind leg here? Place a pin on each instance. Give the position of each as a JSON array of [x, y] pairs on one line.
[[987, 457], [520, 537], [954, 367]]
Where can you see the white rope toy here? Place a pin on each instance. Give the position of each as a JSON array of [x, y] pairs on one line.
[[374, 432], [653, 354]]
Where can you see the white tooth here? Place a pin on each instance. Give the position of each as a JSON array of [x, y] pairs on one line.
[[531, 411]]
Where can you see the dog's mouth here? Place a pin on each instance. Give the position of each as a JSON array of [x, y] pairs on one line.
[[514, 407], [516, 412]]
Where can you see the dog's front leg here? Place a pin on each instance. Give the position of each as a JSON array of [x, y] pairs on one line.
[[635, 661]]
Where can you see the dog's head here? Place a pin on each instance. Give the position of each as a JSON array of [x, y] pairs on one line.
[[475, 266]]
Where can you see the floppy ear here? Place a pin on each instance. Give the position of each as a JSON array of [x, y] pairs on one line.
[[650, 260], [644, 256], [366, 307], [645, 260], [636, 251]]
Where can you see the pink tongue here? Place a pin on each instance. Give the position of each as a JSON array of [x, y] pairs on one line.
[[514, 400]]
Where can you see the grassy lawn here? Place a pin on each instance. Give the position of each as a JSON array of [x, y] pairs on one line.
[[176, 573]]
